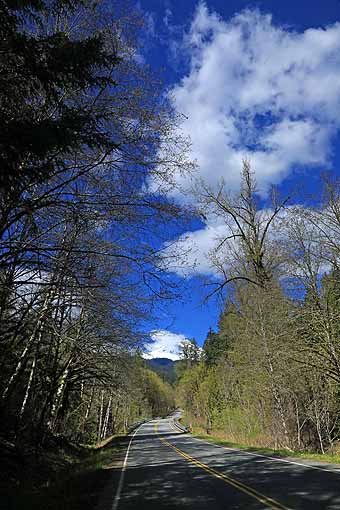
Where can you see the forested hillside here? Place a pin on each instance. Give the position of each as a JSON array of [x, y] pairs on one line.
[[164, 367], [84, 126], [270, 374]]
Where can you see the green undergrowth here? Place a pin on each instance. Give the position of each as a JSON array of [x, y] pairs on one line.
[[67, 477], [327, 458]]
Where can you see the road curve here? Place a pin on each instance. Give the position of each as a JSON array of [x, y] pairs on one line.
[[166, 469]]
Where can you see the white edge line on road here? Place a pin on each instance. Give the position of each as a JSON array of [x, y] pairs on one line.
[[173, 424], [177, 427], [122, 473], [337, 472]]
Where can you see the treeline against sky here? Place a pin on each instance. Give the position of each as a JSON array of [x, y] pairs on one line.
[[89, 148], [84, 128], [270, 374]]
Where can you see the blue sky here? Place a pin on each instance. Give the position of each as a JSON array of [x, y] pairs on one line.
[[257, 80]]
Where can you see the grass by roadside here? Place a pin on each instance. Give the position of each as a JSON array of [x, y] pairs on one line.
[[327, 458], [70, 477], [199, 432]]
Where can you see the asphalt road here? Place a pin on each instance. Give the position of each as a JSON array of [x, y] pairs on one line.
[[166, 469]]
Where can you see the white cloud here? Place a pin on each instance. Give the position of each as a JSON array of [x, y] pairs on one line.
[[208, 250], [165, 344], [319, 227], [259, 91], [191, 250]]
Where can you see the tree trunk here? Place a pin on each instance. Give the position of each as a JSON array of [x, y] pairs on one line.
[[28, 388], [58, 397], [100, 416], [35, 336], [82, 423], [106, 421]]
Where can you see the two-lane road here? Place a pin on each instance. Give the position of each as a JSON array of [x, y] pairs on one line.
[[166, 469]]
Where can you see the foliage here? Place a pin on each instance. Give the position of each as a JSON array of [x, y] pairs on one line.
[[85, 130], [164, 367], [270, 375]]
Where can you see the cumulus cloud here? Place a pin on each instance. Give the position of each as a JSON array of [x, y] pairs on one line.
[[259, 91], [191, 251], [165, 344], [213, 249]]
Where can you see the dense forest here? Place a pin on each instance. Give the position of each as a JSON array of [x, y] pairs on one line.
[[89, 149], [84, 128], [270, 374]]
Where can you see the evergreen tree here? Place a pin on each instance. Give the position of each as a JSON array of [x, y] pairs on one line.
[[214, 347], [50, 77]]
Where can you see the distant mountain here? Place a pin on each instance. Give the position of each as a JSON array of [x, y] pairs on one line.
[[162, 362], [164, 367]]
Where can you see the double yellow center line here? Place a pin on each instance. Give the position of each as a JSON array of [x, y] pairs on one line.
[[268, 502]]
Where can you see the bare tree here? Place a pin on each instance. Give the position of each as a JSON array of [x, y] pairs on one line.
[[246, 251]]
